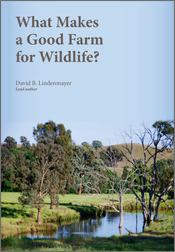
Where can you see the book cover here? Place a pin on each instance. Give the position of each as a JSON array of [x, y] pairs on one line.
[[96, 69]]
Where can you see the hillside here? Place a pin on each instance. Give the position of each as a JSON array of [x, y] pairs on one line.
[[138, 154], [18, 145]]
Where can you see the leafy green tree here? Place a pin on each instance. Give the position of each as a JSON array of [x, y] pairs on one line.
[[60, 182], [10, 142], [165, 128], [14, 163], [49, 158], [111, 156], [21, 167], [164, 172], [85, 144], [61, 136], [5, 156], [144, 177], [29, 154], [7, 159], [7, 186], [85, 162], [25, 143], [97, 144], [57, 186], [125, 172]]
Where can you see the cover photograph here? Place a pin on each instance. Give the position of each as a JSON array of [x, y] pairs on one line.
[[87, 125]]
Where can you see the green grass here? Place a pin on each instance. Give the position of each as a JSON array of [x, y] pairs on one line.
[[22, 219], [129, 200], [17, 219], [162, 226], [158, 237], [12, 197]]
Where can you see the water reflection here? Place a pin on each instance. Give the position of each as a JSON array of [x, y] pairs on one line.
[[103, 227], [82, 228]]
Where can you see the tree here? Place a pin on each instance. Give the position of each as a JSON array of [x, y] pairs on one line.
[[60, 182], [57, 186], [21, 164], [165, 171], [97, 144], [84, 162], [164, 174], [148, 177], [49, 158], [143, 169], [85, 144], [14, 163], [165, 128], [116, 183], [10, 142], [7, 159], [25, 143], [111, 156], [61, 136]]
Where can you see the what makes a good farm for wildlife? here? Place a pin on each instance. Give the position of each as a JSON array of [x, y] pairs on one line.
[[70, 39]]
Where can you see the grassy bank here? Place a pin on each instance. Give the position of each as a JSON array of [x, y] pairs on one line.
[[18, 219], [158, 237], [131, 205]]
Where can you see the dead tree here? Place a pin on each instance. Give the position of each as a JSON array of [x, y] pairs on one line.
[[116, 183], [147, 178]]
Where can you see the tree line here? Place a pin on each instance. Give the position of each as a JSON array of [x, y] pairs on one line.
[[56, 165]]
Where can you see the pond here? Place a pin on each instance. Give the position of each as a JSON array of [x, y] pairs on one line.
[[102, 226]]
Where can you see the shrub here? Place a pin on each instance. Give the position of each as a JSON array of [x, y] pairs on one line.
[[171, 194]]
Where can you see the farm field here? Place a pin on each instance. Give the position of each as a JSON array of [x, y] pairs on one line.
[[12, 197]]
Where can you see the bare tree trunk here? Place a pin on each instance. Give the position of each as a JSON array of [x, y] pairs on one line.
[[150, 203], [145, 216], [80, 189], [51, 198], [51, 203], [39, 209], [152, 212], [121, 211], [58, 200], [151, 193], [160, 197], [144, 226], [136, 215], [142, 201], [120, 230], [157, 208], [39, 215]]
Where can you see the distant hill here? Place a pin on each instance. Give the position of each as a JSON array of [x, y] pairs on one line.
[[138, 154], [18, 145]]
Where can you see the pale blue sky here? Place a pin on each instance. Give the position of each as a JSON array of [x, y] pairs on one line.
[[132, 82]]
